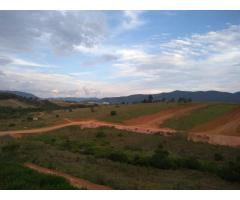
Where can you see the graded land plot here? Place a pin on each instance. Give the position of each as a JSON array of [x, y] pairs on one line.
[[125, 160], [156, 119], [228, 124], [199, 116]]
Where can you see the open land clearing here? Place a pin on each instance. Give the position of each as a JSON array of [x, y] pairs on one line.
[[93, 149]]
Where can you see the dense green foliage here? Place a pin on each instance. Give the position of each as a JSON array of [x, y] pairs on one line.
[[14, 176]]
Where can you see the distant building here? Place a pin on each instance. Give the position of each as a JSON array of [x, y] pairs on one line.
[[105, 103]]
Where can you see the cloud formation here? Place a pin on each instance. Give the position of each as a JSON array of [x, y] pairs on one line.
[[199, 61], [24, 30]]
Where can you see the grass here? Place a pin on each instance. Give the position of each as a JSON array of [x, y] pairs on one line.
[[13, 176], [198, 116], [81, 153]]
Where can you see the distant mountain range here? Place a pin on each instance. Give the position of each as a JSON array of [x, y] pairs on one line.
[[197, 96]]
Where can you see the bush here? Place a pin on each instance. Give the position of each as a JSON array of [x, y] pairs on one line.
[[218, 157], [57, 115], [29, 118], [92, 109], [100, 134], [10, 147], [118, 156], [191, 163], [141, 160], [113, 113], [160, 159], [11, 125], [230, 171]]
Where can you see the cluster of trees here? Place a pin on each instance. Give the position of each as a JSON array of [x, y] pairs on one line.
[[171, 100]]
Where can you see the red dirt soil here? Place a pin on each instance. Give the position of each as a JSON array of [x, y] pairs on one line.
[[155, 120], [222, 131], [88, 124], [76, 182]]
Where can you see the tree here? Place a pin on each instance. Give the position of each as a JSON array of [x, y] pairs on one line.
[[113, 112], [150, 98]]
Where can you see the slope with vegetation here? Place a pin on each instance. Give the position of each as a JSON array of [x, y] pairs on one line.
[[199, 116], [125, 160]]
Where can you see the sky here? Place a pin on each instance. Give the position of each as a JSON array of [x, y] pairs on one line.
[[115, 53]]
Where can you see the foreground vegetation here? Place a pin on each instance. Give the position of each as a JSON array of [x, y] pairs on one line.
[[127, 160], [15, 176], [199, 116]]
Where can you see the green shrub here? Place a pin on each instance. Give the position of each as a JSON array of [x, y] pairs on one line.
[[10, 147], [230, 171], [141, 160], [218, 157], [118, 156], [100, 134], [11, 125], [160, 159], [113, 113], [16, 177], [29, 118], [191, 163]]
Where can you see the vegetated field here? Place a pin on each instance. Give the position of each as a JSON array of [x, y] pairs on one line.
[[15, 176], [101, 112], [125, 160], [199, 116]]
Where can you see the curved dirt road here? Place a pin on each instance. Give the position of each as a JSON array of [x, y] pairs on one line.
[[88, 124], [74, 181]]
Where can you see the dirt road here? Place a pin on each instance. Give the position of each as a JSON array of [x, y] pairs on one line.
[[74, 181], [88, 124]]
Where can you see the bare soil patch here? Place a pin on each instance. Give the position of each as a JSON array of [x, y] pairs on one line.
[[88, 124]]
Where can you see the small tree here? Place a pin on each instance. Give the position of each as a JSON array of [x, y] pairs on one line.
[[150, 98], [92, 109], [218, 156], [113, 112]]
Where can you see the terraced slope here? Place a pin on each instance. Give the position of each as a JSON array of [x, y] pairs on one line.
[[199, 116]]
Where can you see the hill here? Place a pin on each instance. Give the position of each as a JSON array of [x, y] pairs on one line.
[[23, 100], [18, 93], [196, 96]]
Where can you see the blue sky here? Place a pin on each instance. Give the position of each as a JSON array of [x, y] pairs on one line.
[[112, 53]]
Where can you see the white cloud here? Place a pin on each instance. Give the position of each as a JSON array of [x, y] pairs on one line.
[[201, 61], [132, 20], [26, 30]]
